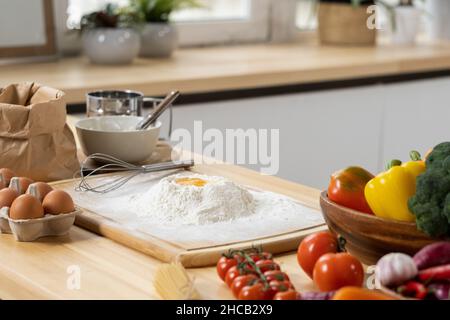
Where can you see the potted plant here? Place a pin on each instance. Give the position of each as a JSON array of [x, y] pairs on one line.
[[159, 37], [344, 22], [109, 36]]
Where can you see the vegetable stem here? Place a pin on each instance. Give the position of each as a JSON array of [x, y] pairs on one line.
[[415, 155], [393, 163]]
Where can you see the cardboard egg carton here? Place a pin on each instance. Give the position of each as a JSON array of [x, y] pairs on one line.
[[32, 229]]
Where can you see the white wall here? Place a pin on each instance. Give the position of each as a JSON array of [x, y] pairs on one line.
[[321, 132]]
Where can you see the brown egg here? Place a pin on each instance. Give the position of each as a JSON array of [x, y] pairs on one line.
[[39, 190], [7, 175], [7, 196], [26, 206], [58, 201], [20, 184]]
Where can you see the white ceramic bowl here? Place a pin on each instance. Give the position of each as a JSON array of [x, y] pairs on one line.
[[111, 46], [116, 136]]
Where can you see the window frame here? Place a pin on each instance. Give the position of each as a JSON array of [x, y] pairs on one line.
[[263, 25], [254, 29]]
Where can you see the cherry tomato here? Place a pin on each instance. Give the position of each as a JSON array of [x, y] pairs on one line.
[[336, 270], [281, 285], [286, 295], [266, 265], [276, 275], [313, 247], [256, 256], [235, 272], [255, 291], [278, 286], [242, 281], [223, 265]]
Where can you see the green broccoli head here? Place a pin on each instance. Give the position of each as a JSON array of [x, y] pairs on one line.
[[439, 156], [431, 203]]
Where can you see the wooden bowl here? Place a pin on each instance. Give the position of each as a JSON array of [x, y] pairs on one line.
[[369, 237]]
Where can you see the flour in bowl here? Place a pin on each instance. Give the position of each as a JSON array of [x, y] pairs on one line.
[[194, 200]]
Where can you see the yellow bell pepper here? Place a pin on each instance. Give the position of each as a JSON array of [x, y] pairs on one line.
[[387, 194]]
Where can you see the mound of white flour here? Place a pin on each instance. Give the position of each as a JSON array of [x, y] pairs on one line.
[[218, 200]]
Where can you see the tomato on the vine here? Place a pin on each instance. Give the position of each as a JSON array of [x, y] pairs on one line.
[[313, 247], [267, 265], [276, 286], [224, 264], [276, 275], [281, 285], [286, 295], [256, 291], [257, 256], [336, 270], [236, 271], [242, 281]]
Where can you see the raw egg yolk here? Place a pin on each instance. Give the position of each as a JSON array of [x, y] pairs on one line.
[[191, 182]]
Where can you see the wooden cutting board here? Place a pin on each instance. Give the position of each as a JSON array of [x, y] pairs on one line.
[[191, 256]]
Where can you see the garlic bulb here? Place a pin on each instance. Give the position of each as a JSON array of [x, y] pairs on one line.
[[395, 268]]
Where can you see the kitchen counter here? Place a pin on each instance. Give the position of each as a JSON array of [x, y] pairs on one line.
[[108, 270], [199, 70], [43, 269]]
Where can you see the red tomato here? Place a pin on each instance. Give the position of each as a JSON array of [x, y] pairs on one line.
[[286, 295], [256, 256], [347, 188], [281, 285], [255, 291], [234, 272], [336, 270], [242, 281], [278, 286], [276, 275], [223, 265], [266, 265], [313, 247]]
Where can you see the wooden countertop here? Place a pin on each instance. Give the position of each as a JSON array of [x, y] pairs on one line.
[[227, 68], [41, 270]]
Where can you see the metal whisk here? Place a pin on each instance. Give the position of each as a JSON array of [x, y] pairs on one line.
[[114, 164]]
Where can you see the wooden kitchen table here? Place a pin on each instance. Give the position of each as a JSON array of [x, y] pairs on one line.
[[49, 268]]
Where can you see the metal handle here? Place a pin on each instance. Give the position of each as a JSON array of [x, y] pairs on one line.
[[168, 165], [155, 101], [160, 108]]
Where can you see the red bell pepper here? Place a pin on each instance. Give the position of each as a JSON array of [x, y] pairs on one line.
[[347, 188], [435, 273], [413, 289]]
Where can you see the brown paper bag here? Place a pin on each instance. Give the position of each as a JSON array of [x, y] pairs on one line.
[[35, 140]]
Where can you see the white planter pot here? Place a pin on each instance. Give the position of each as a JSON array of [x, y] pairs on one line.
[[158, 40], [111, 46], [407, 20], [437, 19]]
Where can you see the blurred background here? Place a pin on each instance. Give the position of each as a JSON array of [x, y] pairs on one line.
[[345, 81]]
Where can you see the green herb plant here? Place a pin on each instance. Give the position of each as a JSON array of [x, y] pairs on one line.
[[160, 10], [112, 17]]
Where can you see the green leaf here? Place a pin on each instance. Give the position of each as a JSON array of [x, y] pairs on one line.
[[160, 10]]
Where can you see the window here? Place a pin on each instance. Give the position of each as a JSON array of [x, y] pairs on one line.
[[219, 21], [306, 15], [216, 10], [224, 21]]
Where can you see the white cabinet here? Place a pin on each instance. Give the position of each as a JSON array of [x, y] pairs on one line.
[[417, 117], [319, 132], [323, 131]]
